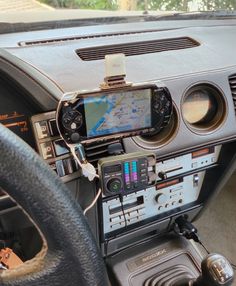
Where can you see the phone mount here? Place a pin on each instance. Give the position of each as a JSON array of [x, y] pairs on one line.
[[115, 72]]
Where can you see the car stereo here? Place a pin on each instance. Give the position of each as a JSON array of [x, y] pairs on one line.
[[122, 112]]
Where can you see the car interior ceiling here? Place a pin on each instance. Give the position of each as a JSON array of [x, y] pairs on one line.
[[138, 120]]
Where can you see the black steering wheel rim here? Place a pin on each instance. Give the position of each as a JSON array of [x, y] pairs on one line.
[[72, 256]]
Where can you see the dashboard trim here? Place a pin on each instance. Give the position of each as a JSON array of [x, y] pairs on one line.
[[216, 126], [45, 91]]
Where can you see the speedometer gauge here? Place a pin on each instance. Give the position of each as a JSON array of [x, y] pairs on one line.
[[199, 105], [203, 108]]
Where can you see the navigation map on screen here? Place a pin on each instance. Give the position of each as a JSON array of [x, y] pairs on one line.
[[118, 112]]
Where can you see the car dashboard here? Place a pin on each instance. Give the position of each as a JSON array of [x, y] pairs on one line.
[[194, 153]]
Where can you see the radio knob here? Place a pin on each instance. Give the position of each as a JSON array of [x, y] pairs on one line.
[[114, 185], [162, 175], [161, 198]]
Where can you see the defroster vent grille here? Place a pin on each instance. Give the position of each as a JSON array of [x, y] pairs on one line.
[[137, 48]]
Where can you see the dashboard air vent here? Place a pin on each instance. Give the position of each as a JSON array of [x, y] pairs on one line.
[[232, 83], [85, 37], [96, 151], [137, 48]]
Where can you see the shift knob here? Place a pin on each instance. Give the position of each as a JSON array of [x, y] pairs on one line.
[[216, 271]]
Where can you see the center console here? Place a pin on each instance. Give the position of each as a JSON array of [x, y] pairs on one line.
[[153, 190], [176, 190], [171, 261], [159, 261]]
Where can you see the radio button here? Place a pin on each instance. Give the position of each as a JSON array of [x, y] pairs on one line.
[[68, 167], [115, 219], [60, 147], [53, 128], [128, 186], [60, 168], [42, 129], [47, 150]]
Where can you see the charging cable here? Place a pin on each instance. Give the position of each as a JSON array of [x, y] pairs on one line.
[[93, 202], [122, 209], [185, 228], [87, 168]]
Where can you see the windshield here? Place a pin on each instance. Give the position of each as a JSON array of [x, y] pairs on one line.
[[114, 5], [15, 11]]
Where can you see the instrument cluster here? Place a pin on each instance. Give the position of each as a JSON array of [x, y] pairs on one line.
[[15, 111]]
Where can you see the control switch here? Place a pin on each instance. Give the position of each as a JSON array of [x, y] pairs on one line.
[[114, 185]]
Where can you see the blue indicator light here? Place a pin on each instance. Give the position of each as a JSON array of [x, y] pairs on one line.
[[134, 166], [126, 168]]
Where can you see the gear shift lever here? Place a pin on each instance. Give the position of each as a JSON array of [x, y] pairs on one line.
[[216, 271]]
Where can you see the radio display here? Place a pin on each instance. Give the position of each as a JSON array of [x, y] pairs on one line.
[[118, 112]]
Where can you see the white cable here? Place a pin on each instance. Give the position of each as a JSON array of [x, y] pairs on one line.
[[93, 202], [88, 169], [90, 172]]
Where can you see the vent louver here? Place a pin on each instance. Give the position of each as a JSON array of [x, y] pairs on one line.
[[96, 151], [232, 83], [137, 48]]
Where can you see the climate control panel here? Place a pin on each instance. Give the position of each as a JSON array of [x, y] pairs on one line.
[[151, 202]]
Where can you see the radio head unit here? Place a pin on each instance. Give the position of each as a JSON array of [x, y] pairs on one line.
[[122, 112]]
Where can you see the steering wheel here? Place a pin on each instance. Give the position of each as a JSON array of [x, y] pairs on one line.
[[69, 255]]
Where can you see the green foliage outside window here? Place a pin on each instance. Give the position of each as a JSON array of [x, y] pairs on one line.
[[83, 4], [168, 5]]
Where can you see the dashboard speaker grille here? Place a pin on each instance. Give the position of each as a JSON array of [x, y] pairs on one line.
[[95, 151], [232, 83], [137, 48]]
